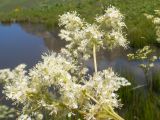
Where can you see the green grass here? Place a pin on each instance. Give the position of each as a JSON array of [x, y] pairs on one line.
[[156, 81], [8, 5], [139, 104], [143, 107], [140, 30]]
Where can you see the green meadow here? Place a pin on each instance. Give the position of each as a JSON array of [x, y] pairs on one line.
[[140, 31]]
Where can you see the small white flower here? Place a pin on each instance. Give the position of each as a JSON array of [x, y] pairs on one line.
[[156, 21], [151, 65]]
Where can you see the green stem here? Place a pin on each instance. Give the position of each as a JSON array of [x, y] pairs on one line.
[[88, 95], [114, 115], [94, 58], [101, 5], [110, 111]]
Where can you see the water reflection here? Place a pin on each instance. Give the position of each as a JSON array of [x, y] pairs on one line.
[[26, 43], [50, 37]]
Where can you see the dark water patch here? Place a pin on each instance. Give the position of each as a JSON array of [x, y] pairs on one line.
[[25, 44]]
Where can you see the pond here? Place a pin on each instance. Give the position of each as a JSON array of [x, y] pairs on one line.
[[25, 43]]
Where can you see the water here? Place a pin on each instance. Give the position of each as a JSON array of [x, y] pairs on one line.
[[25, 44]]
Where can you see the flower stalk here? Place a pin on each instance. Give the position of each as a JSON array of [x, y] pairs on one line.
[[109, 111], [94, 58]]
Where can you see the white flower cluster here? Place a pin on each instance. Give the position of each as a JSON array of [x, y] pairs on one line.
[[145, 55], [51, 86], [71, 21], [112, 18], [106, 32], [156, 20], [101, 89], [59, 86], [16, 83], [47, 85]]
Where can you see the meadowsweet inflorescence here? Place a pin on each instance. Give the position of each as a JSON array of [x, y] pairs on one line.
[[147, 57], [60, 86], [156, 20], [106, 32]]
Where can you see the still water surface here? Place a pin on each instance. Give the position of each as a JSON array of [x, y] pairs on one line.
[[25, 43]]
